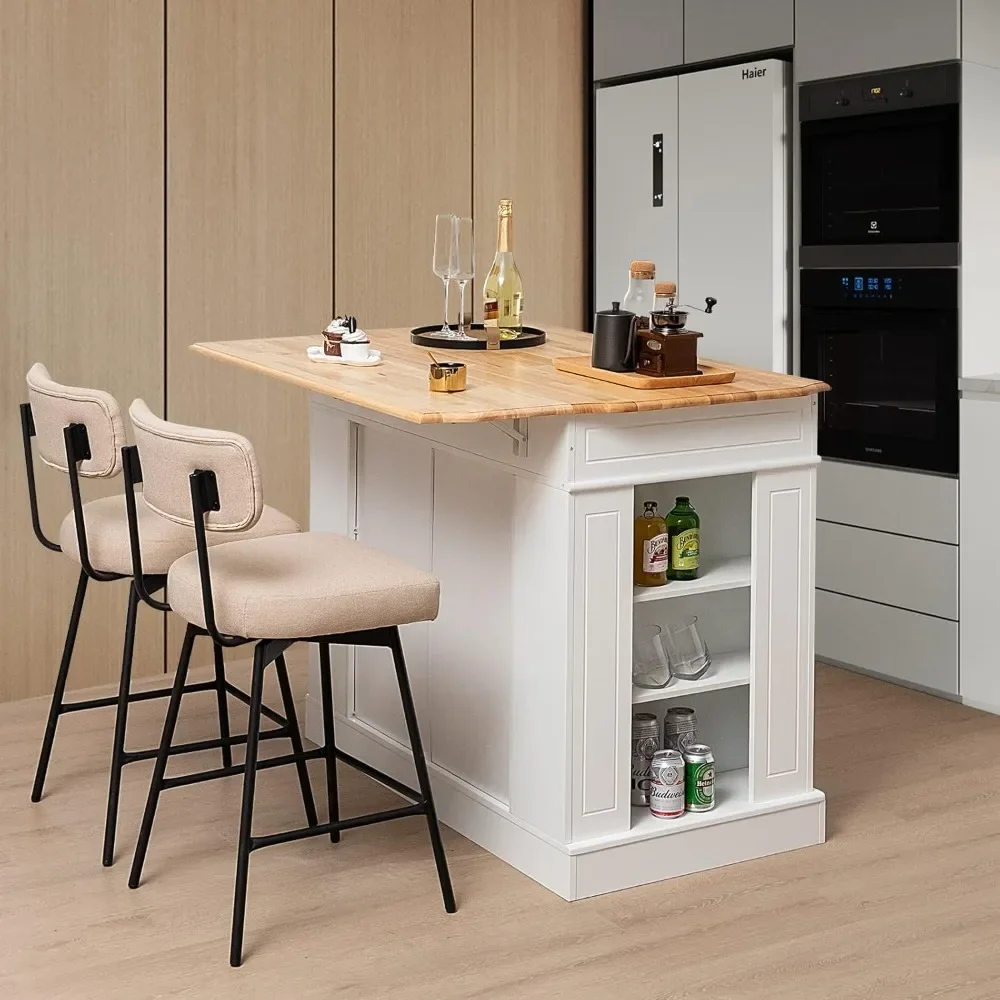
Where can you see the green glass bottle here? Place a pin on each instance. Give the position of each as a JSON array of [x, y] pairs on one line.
[[684, 529]]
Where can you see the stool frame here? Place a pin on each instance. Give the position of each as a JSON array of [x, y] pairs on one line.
[[205, 498], [142, 588]]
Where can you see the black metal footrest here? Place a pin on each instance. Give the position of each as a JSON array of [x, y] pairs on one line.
[[129, 756], [226, 772], [380, 776], [417, 809], [112, 700]]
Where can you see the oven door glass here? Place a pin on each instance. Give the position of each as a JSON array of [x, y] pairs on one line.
[[894, 385], [881, 178]]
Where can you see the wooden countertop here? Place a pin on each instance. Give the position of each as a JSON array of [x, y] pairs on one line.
[[503, 385]]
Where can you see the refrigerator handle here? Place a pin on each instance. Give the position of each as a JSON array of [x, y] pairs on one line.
[[657, 170]]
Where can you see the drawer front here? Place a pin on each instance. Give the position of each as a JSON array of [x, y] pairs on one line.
[[908, 503], [909, 573], [908, 647]]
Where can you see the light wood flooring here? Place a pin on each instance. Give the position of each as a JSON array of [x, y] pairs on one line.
[[903, 901]]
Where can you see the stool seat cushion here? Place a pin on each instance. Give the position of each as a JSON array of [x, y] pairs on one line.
[[299, 586], [161, 541]]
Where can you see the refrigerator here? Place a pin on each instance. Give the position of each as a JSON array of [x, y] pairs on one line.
[[691, 171]]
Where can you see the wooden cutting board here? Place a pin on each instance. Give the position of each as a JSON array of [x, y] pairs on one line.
[[711, 374]]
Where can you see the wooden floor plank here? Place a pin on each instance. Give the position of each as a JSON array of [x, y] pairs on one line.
[[902, 902]]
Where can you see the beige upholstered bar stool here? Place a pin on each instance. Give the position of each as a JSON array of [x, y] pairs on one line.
[[273, 592], [81, 432]]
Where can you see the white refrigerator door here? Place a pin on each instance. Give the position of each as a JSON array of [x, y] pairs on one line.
[[631, 223], [733, 226]]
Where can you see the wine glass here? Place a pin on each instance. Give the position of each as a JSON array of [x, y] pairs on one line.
[[444, 261], [465, 265]]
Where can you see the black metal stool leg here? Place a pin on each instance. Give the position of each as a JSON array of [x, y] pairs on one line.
[[55, 706], [329, 739], [121, 721], [420, 764], [159, 770], [220, 693], [296, 739], [246, 813]]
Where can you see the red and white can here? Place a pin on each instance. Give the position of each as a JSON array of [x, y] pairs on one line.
[[666, 787]]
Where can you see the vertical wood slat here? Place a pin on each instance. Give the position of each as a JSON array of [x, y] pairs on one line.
[[81, 289], [403, 151], [530, 87], [249, 213]]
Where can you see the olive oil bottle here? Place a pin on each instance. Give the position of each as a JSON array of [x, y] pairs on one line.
[[651, 548], [684, 529]]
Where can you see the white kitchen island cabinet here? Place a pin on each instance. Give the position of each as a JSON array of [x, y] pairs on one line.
[[519, 495]]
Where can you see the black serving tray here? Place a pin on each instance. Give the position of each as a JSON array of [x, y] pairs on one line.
[[430, 336]]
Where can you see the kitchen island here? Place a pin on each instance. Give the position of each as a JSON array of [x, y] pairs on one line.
[[519, 494]]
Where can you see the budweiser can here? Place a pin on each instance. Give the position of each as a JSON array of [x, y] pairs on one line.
[[645, 742], [666, 789]]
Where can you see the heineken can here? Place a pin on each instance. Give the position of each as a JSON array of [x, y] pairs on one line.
[[645, 742], [666, 789], [699, 778]]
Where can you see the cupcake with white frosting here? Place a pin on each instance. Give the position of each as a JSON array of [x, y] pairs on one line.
[[354, 345], [333, 336]]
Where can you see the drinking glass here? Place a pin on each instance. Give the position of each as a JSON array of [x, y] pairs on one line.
[[686, 650], [465, 265], [650, 665], [445, 261]]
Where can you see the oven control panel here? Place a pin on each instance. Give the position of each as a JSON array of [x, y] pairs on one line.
[[904, 288]]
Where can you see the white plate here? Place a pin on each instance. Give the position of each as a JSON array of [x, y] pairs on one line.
[[316, 354]]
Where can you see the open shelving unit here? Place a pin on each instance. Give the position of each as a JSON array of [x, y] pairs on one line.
[[720, 573], [728, 670]]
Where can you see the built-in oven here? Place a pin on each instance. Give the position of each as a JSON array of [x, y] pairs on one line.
[[880, 169], [886, 341]]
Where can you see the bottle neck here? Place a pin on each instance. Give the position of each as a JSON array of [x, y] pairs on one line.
[[505, 234]]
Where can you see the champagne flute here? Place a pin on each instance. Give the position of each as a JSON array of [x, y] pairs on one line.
[[444, 262], [465, 265]]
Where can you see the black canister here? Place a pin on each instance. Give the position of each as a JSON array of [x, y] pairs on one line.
[[614, 340]]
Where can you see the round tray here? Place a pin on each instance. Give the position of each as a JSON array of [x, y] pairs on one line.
[[429, 336]]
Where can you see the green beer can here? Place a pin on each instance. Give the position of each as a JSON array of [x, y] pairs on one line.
[[699, 778]]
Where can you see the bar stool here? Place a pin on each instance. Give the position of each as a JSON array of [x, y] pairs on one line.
[[274, 592], [81, 432]]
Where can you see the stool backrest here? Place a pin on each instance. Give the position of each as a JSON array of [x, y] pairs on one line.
[[169, 453], [54, 407]]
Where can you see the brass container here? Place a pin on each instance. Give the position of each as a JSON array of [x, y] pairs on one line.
[[448, 376]]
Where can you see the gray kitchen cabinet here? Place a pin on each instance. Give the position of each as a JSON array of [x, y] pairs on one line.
[[635, 36], [858, 36], [636, 183], [715, 29]]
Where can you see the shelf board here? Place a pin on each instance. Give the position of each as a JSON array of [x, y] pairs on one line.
[[727, 670], [716, 574], [732, 797]]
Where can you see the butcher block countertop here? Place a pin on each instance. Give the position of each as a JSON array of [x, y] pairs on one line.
[[502, 385]]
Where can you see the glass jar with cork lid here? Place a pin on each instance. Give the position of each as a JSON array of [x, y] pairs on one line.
[[639, 298]]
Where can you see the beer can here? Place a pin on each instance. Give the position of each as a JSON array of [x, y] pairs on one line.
[[666, 789], [699, 778], [645, 742], [680, 728]]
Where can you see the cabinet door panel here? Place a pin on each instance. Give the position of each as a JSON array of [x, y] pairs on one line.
[[634, 36], [628, 223], [857, 36], [714, 29], [732, 216]]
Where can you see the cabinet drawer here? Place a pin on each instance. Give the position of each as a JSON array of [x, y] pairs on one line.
[[908, 647], [909, 573], [908, 503]]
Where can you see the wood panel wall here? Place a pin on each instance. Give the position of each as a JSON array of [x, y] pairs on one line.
[[181, 170], [81, 289], [530, 75], [403, 151]]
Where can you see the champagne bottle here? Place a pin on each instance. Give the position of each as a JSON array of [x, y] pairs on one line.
[[503, 292]]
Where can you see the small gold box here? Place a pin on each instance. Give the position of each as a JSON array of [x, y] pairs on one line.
[[447, 376]]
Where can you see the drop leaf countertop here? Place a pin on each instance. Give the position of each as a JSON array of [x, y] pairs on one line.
[[502, 385]]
